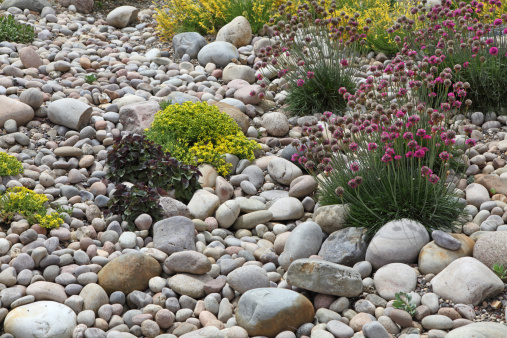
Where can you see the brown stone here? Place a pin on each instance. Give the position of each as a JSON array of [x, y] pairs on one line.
[[29, 58], [269, 311], [493, 183], [129, 272], [433, 258], [15, 110]]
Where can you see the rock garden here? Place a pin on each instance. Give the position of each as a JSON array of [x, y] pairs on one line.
[[253, 168]]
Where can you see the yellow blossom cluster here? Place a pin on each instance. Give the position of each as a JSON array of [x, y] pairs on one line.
[[197, 133], [9, 165], [208, 16], [51, 221], [30, 205]]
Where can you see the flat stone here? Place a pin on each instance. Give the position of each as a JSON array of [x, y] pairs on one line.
[[433, 258], [15, 110], [70, 113], [325, 277], [479, 330], [189, 285], [188, 261]]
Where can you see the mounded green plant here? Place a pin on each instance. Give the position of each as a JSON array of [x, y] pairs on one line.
[[136, 159], [197, 133], [9, 165], [30, 205], [130, 202], [13, 31], [313, 52]]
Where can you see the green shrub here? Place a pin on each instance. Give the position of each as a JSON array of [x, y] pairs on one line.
[[130, 202], [199, 133], [136, 159], [9, 165], [13, 31]]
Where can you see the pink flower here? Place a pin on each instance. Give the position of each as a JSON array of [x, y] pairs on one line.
[[421, 132], [344, 63], [252, 93], [419, 153], [470, 142], [310, 75], [505, 31], [466, 64], [353, 146], [397, 157], [434, 178], [342, 90], [425, 171], [354, 167], [444, 155], [409, 154], [497, 22], [386, 158], [300, 82], [493, 51], [372, 146], [352, 183], [408, 136]]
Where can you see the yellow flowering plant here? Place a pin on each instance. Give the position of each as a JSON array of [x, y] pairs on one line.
[[50, 221], [29, 204], [9, 165], [208, 16], [197, 133]]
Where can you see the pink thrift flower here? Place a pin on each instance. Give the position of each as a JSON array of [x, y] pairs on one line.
[[387, 158], [353, 146], [352, 183], [300, 82], [310, 75], [434, 178], [466, 64], [344, 63], [397, 157], [354, 167], [444, 155], [493, 51], [372, 146]]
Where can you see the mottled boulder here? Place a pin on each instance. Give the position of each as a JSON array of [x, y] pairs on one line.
[[122, 16], [188, 43], [128, 272], [137, 117], [347, 246], [15, 110], [174, 234], [325, 277], [269, 311]]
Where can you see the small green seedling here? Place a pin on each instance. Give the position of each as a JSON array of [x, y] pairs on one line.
[[500, 271], [403, 301], [90, 78]]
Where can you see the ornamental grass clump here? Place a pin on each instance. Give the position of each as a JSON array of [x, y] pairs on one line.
[[473, 37], [208, 16], [196, 133], [314, 52], [399, 159]]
